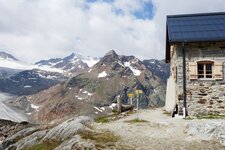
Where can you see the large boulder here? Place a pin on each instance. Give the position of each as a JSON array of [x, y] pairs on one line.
[[68, 128]]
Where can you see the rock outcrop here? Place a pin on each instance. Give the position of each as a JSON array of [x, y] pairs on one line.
[[8, 128], [208, 130], [62, 136]]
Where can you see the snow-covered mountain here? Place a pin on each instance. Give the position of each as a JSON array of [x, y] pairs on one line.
[[68, 66], [21, 78], [73, 63], [9, 61]]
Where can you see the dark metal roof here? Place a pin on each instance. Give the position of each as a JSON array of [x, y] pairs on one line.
[[207, 27]]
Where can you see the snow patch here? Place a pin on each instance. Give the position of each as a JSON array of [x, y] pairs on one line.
[[90, 61], [89, 94], [112, 105], [97, 109], [89, 70], [27, 86], [47, 77], [34, 107], [120, 63], [135, 71], [103, 74], [79, 98]]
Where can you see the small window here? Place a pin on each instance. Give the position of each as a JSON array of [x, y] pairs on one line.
[[205, 70]]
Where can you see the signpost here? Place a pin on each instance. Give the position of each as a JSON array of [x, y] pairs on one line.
[[131, 95], [137, 93]]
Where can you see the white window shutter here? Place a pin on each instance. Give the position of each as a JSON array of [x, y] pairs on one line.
[[193, 75], [218, 70]]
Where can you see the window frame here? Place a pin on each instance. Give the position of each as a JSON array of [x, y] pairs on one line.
[[204, 63]]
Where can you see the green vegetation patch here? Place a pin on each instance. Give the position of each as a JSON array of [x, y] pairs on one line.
[[136, 121], [102, 119], [101, 139], [167, 113], [205, 117], [46, 145]]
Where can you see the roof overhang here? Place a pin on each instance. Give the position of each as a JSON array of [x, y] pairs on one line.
[[189, 29]]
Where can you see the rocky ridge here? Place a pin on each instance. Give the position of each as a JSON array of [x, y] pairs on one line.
[[67, 135]]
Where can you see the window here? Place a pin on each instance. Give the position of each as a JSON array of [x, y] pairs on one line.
[[212, 70], [205, 70]]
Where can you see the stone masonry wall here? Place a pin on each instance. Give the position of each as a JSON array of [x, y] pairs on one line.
[[203, 96]]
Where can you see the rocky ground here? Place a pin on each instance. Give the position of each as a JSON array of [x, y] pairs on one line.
[[163, 132], [154, 130]]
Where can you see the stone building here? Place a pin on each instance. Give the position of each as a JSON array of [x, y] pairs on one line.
[[195, 49]]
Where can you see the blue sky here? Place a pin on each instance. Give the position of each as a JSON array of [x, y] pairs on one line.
[[146, 11], [40, 29]]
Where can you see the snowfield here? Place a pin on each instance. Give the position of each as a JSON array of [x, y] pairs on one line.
[[136, 72], [102, 75]]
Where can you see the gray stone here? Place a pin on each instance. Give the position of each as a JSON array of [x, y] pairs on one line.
[[19, 135], [30, 140], [75, 143], [208, 130], [68, 128], [68, 144]]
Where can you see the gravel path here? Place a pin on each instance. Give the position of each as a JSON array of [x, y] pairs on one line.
[[161, 132]]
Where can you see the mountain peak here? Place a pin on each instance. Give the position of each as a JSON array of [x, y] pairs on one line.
[[4, 55], [111, 52], [71, 56]]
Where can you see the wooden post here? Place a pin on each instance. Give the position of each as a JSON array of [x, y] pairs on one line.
[[137, 93], [119, 104], [131, 100], [131, 95]]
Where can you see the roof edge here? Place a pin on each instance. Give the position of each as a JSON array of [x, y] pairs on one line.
[[196, 14]]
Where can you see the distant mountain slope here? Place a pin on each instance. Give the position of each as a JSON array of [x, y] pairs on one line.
[[30, 82], [7, 72], [158, 67], [98, 87]]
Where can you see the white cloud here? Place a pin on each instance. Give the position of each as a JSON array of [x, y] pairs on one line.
[[40, 29]]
